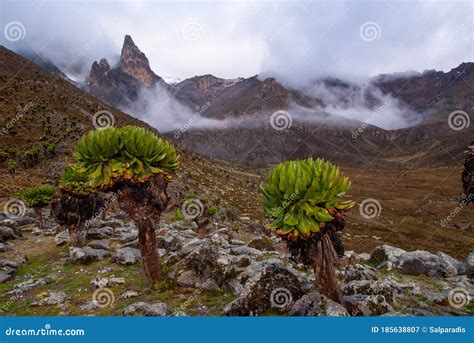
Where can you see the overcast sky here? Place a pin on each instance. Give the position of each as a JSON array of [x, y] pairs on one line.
[[299, 41]]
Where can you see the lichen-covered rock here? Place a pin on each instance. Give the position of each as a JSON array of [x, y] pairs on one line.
[[4, 247], [99, 233], [8, 264], [467, 268], [127, 256], [449, 260], [315, 304], [245, 250], [54, 298], [107, 282], [171, 240], [62, 238], [99, 244], [24, 286], [145, 309], [7, 234], [261, 243], [268, 284], [360, 272], [368, 305], [86, 254], [385, 256], [421, 262], [386, 287], [207, 262]]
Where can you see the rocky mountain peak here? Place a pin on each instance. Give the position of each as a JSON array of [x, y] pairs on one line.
[[134, 63], [206, 81], [99, 72]]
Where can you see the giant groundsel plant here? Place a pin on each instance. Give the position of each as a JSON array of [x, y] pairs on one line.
[[306, 202], [137, 165]]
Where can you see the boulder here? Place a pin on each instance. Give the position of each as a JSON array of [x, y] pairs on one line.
[[99, 244], [368, 305], [4, 247], [145, 309], [171, 241], [208, 264], [128, 237], [267, 284], [467, 268], [86, 254], [315, 304], [421, 262], [449, 260], [127, 294], [6, 234], [360, 272], [261, 243], [99, 233], [5, 276], [8, 264], [24, 286], [54, 298], [62, 238], [385, 256], [111, 223], [107, 282], [127, 256], [245, 250], [386, 287]]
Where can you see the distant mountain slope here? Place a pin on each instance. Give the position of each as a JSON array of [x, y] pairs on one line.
[[432, 91]]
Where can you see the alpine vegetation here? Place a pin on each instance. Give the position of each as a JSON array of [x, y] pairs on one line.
[[38, 197], [135, 164], [305, 200]]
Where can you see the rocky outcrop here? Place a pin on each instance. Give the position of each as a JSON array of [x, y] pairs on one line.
[[421, 262], [86, 254], [266, 285], [120, 85], [467, 268], [315, 304], [127, 256], [417, 262], [133, 62]]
